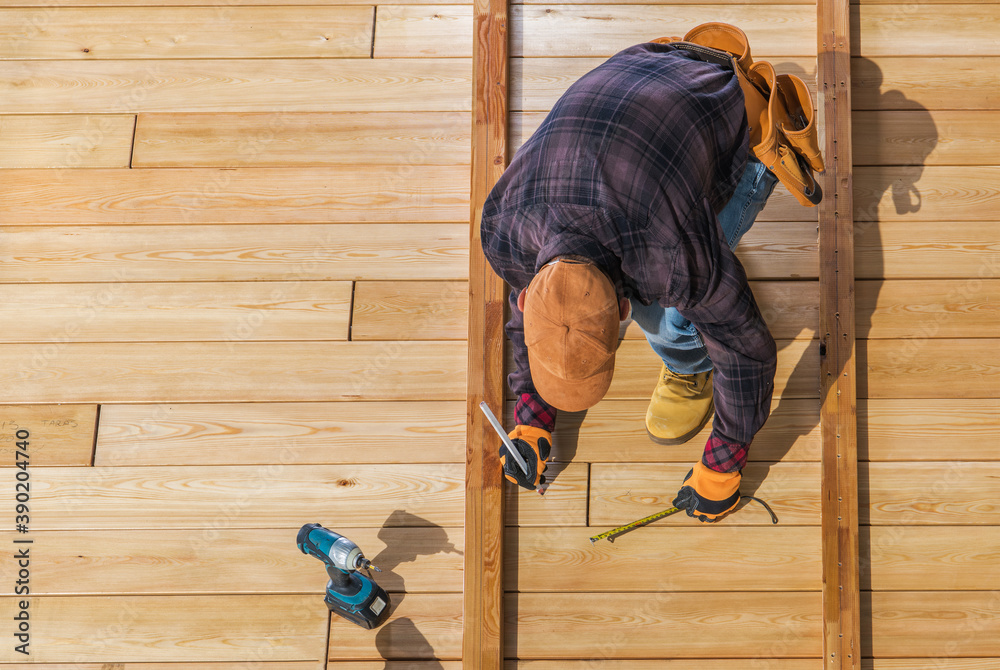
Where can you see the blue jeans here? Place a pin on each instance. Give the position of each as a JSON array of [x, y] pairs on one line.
[[672, 336]]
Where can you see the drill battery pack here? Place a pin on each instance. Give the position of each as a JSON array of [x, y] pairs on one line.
[[358, 599]]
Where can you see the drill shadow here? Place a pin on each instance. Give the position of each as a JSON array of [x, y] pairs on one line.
[[407, 538]]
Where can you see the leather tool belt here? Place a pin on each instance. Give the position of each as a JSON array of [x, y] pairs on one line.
[[780, 111]]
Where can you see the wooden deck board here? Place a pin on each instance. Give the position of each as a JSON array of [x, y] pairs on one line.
[[58, 434], [928, 308], [887, 31], [946, 193], [905, 249], [929, 493], [421, 626], [947, 368], [923, 137], [908, 624], [930, 558], [935, 429], [432, 31], [410, 311], [925, 82], [66, 141]]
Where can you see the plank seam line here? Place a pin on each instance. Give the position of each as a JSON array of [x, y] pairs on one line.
[[371, 53], [350, 312], [131, 150]]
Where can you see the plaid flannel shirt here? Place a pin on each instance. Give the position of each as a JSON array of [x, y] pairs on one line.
[[630, 169]]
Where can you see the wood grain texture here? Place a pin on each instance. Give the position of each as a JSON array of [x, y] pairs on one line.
[[179, 562], [932, 494], [909, 624], [413, 31], [224, 312], [263, 665], [906, 249], [917, 82], [128, 629], [390, 193], [727, 625], [928, 369], [663, 664], [564, 502], [922, 137], [536, 83], [928, 430], [66, 141], [206, 499], [772, 250], [162, 33], [614, 431], [932, 193], [421, 627], [286, 139], [562, 560], [937, 663], [947, 558], [122, 254], [248, 433], [228, 85], [916, 31], [233, 372], [59, 434], [410, 311], [624, 492], [571, 30], [928, 308]]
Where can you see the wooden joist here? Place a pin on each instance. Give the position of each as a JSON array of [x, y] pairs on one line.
[[208, 498], [385, 310], [231, 371], [284, 139], [58, 434], [229, 311], [218, 253], [160, 33], [248, 433], [184, 561], [388, 193], [66, 141], [291, 85], [935, 429]]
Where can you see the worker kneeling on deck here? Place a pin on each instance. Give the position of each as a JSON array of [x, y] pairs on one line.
[[628, 201]]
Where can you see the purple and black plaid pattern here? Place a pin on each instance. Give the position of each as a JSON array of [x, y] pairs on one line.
[[531, 410], [723, 456], [629, 169]]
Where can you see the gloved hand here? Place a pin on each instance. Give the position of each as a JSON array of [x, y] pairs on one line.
[[708, 495], [534, 445]]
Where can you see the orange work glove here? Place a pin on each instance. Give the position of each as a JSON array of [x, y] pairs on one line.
[[708, 495], [534, 445]]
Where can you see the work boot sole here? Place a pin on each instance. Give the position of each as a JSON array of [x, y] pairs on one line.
[[672, 441]]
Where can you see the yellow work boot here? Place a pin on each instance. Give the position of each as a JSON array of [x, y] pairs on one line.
[[681, 406]]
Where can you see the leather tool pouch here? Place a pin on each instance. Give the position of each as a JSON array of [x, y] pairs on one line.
[[779, 109]]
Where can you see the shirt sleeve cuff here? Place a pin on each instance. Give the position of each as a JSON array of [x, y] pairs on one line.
[[722, 455], [531, 410]]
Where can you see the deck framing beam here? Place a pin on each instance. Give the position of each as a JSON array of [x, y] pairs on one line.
[[483, 643], [838, 412]]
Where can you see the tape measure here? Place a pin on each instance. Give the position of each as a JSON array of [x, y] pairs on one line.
[[620, 530]]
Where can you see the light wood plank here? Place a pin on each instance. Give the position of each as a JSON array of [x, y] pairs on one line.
[[232, 372], [179, 562], [390, 193], [421, 626], [113, 254], [909, 624], [289, 85], [438, 31], [262, 665], [936, 663], [283, 139], [932, 193], [229, 312], [58, 434], [125, 629], [71, 141], [772, 250], [922, 137], [906, 249], [564, 502], [933, 494], [928, 308], [907, 558], [410, 311], [248, 433], [728, 625], [571, 30], [562, 560], [207, 499], [916, 31], [197, 3], [393, 665], [624, 492], [195, 32], [938, 83], [536, 83], [665, 664], [928, 369], [929, 430], [614, 431]]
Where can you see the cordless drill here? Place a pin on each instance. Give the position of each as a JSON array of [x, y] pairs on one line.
[[352, 595]]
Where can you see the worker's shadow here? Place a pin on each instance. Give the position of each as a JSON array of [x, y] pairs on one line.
[[407, 537]]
